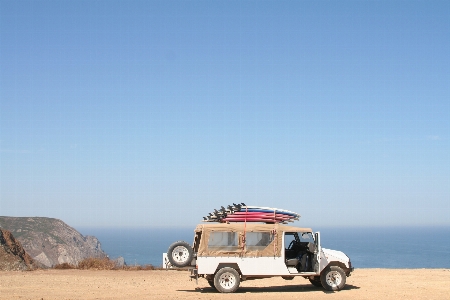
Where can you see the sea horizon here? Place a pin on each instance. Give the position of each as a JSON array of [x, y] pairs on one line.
[[396, 247]]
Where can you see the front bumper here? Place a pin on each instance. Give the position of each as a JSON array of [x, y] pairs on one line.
[[350, 269]]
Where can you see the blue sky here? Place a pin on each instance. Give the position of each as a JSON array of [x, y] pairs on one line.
[[153, 113]]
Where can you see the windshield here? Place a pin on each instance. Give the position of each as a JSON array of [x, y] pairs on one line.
[[307, 237], [289, 237]]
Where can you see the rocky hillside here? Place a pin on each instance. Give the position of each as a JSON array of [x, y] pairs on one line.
[[51, 241], [12, 256]]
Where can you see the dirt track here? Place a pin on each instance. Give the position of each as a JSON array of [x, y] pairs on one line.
[[79, 284]]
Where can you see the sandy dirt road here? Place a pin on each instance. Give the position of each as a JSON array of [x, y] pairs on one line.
[[80, 284]]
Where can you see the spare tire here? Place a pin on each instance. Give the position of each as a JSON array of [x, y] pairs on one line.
[[180, 254]]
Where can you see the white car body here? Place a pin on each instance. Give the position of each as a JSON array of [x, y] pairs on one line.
[[250, 251], [270, 266]]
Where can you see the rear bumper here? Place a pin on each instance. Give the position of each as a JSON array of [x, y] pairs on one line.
[[194, 274]]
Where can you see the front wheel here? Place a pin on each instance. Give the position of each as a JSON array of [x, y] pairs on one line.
[[333, 278], [180, 254], [227, 280]]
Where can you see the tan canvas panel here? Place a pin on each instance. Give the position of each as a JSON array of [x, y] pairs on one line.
[[273, 249]]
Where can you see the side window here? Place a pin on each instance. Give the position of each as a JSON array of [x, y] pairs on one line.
[[223, 241], [257, 240], [288, 239]]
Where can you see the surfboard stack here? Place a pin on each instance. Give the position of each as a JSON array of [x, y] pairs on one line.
[[246, 213]]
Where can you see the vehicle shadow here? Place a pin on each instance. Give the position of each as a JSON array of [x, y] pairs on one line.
[[274, 289]]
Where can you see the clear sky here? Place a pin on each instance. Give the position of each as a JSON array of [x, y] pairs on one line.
[[153, 113]]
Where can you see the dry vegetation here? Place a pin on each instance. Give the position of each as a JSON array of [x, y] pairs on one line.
[[93, 263], [64, 266], [96, 264]]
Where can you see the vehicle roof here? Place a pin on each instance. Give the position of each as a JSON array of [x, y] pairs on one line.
[[241, 226]]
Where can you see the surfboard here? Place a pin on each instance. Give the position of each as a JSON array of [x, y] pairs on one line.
[[261, 216], [271, 210], [255, 220], [257, 217], [252, 213], [246, 213]]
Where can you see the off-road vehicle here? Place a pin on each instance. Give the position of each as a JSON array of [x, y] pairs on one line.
[[227, 253]]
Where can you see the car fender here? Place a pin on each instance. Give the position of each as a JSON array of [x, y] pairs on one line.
[[333, 257]]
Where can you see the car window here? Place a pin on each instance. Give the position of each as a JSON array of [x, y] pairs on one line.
[[288, 238], [225, 241], [299, 236], [257, 240], [306, 237]]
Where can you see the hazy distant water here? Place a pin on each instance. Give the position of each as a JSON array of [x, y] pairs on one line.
[[366, 247], [392, 247], [138, 246]]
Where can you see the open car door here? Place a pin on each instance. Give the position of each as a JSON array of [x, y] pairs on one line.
[[317, 253]]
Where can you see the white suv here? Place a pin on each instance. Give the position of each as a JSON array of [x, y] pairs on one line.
[[226, 254]]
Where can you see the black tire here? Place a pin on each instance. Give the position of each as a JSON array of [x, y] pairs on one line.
[[316, 281], [333, 278], [227, 280], [211, 284], [180, 254]]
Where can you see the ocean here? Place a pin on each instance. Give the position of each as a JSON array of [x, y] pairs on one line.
[[398, 247]]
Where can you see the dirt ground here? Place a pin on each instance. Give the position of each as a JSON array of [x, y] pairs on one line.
[[80, 284]]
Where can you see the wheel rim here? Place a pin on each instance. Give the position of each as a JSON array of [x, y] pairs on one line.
[[334, 279], [180, 254], [227, 280]]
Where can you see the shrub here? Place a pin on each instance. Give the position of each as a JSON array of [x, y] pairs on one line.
[[93, 263], [64, 266], [140, 268]]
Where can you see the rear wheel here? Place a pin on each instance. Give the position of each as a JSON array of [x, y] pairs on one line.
[[316, 281], [227, 280], [333, 278], [211, 284], [180, 254]]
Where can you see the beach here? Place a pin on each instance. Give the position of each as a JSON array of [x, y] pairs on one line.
[[172, 284]]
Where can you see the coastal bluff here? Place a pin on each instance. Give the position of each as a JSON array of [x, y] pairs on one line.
[[12, 255], [50, 241]]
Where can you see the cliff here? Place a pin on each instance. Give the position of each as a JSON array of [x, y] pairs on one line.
[[51, 241], [12, 255]]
